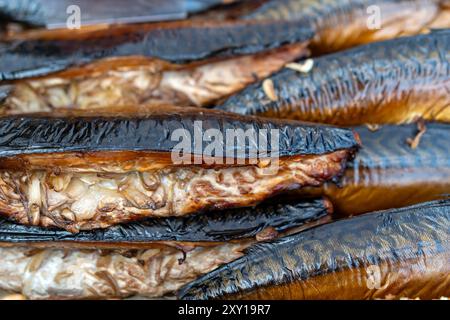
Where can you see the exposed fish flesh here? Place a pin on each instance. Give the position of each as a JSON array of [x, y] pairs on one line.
[[90, 274], [101, 84]]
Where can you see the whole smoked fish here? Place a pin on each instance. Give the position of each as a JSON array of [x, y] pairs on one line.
[[386, 254], [340, 24], [390, 172], [395, 81], [128, 65], [85, 170]]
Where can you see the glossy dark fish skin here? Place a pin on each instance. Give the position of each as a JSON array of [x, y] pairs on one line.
[[201, 5], [388, 173], [37, 57], [341, 24], [38, 12], [392, 240], [125, 130], [394, 81], [27, 11], [216, 226], [232, 11]]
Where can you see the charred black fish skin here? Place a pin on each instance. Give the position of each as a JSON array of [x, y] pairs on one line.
[[388, 147], [26, 11], [367, 84], [216, 226], [385, 236], [194, 6], [32, 58], [47, 133]]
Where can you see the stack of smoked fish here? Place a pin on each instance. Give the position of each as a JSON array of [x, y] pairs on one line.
[[342, 194]]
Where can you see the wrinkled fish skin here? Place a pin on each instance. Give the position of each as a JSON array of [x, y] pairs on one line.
[[27, 11], [201, 5], [388, 173], [394, 81], [216, 226], [408, 245], [232, 11], [38, 57], [341, 24], [37, 12], [124, 130]]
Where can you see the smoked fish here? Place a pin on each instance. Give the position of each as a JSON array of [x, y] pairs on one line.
[[341, 24], [388, 172], [128, 65], [391, 82], [386, 254], [85, 170]]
